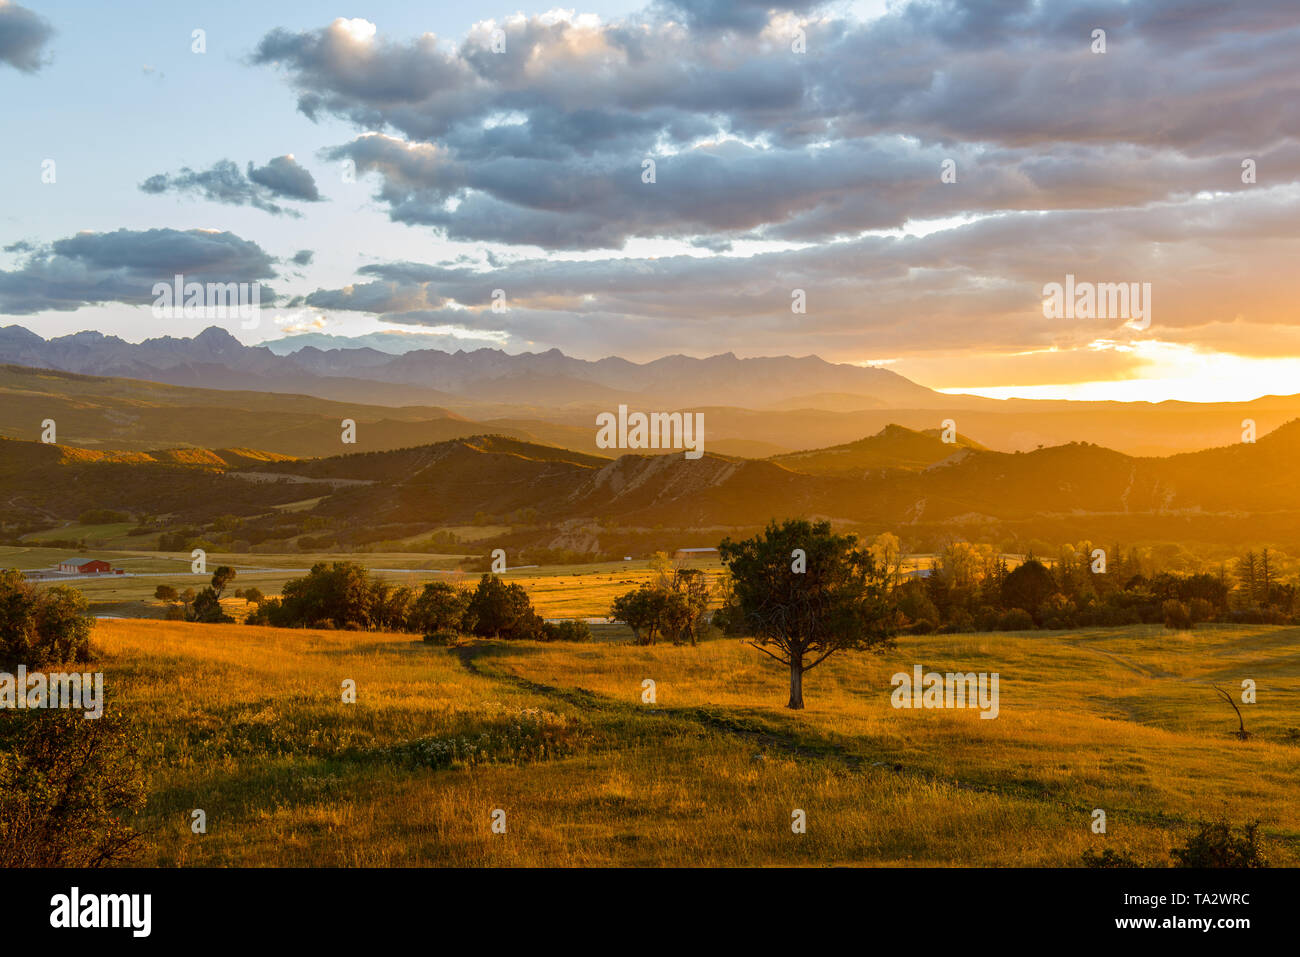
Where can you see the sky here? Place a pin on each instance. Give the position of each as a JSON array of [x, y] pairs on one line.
[[884, 183]]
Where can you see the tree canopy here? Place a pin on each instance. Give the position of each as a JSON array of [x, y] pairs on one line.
[[804, 593]]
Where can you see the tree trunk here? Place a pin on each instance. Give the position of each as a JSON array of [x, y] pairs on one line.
[[796, 685]]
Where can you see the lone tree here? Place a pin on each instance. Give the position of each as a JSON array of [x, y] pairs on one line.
[[801, 610], [503, 610], [222, 577]]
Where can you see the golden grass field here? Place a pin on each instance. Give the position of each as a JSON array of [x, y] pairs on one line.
[[557, 591], [249, 725]]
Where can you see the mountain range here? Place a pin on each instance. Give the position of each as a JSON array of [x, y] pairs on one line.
[[213, 391], [216, 359]]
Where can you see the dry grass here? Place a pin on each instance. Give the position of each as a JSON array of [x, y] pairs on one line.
[[248, 724]]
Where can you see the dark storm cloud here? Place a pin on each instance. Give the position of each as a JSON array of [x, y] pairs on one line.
[[282, 178], [23, 35], [122, 267]]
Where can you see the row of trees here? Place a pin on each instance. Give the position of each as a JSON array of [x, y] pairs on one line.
[[803, 593], [971, 587], [344, 595]]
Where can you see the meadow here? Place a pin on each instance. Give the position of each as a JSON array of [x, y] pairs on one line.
[[249, 725], [557, 591]]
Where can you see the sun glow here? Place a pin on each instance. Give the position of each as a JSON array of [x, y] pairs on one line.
[[1166, 371]]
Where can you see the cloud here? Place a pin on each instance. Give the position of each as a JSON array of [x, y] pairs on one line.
[[281, 178], [542, 144], [743, 15], [303, 257], [122, 266], [971, 287], [23, 35], [284, 177]]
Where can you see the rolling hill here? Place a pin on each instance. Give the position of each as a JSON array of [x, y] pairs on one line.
[[893, 447], [1231, 494], [97, 412]]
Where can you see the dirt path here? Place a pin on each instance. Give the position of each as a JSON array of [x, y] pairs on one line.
[[1145, 672]]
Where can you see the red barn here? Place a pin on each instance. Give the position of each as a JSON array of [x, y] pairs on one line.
[[75, 566]]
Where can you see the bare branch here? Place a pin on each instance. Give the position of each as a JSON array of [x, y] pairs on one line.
[[1243, 733], [768, 653], [819, 660]]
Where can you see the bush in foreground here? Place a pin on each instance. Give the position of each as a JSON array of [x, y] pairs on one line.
[[1216, 844], [38, 627]]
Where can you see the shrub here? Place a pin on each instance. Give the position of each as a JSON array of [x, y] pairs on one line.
[[444, 637], [1257, 616], [729, 620], [518, 737], [207, 608], [960, 622], [915, 605], [1108, 858], [572, 630], [1015, 619], [1215, 845], [1176, 614], [65, 786], [41, 626], [165, 593]]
